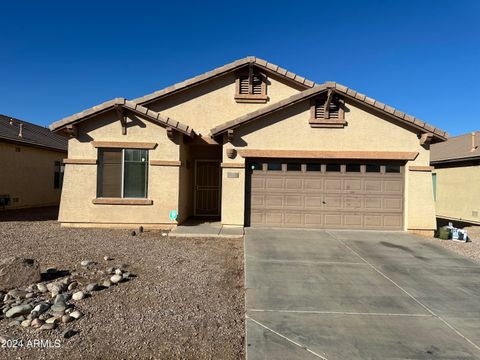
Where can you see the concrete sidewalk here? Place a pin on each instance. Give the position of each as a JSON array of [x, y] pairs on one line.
[[358, 295], [199, 228]]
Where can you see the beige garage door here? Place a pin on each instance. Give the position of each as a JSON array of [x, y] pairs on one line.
[[345, 195]]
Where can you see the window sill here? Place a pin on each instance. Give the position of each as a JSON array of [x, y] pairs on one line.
[[325, 123], [121, 201], [250, 98]]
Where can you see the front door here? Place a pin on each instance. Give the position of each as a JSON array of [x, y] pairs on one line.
[[207, 188]]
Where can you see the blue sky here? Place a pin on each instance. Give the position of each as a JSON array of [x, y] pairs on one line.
[[422, 57]]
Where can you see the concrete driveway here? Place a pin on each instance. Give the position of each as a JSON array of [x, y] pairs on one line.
[[358, 295]]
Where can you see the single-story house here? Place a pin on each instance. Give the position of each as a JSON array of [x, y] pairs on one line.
[[31, 168], [456, 178], [252, 144]]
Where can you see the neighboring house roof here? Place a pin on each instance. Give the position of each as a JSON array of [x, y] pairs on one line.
[[23, 132], [410, 120], [457, 148], [222, 70], [126, 104]]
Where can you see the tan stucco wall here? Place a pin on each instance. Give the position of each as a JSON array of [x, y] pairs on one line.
[[28, 175], [458, 193], [80, 181], [289, 129], [208, 105]]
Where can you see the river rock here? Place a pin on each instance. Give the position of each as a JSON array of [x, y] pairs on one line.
[[116, 279], [42, 288], [18, 310], [36, 323], [79, 295], [92, 287], [41, 308], [76, 314]]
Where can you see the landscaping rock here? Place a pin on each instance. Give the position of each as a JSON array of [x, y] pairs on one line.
[[60, 304], [107, 258], [111, 270], [48, 326], [56, 288], [52, 320], [36, 323], [14, 323], [92, 287], [107, 283], [76, 314], [126, 275], [115, 279], [79, 295], [42, 288], [16, 272], [66, 319], [18, 310], [118, 272], [133, 233], [26, 323], [69, 333], [87, 263], [72, 286], [41, 308]]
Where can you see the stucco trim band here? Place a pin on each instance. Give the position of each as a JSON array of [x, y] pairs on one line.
[[124, 145], [120, 201], [421, 168], [308, 154], [232, 165], [165, 163], [80, 161]]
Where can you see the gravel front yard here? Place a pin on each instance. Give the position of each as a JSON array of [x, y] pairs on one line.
[[470, 249], [186, 301]]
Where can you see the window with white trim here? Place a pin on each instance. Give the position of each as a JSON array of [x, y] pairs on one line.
[[122, 173]]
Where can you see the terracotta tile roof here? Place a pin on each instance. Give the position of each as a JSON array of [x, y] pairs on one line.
[[263, 64], [457, 148], [126, 104], [340, 89], [32, 134]]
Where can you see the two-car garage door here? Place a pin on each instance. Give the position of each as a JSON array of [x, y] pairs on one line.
[[304, 193]]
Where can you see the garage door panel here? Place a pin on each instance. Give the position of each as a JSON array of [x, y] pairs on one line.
[[313, 185], [313, 202], [333, 201], [313, 220], [373, 203], [258, 183], [393, 186], [392, 204], [293, 219], [258, 200], [350, 202], [273, 184], [274, 200], [319, 199], [273, 218], [352, 184], [333, 184], [294, 201], [373, 221], [352, 220], [294, 184]]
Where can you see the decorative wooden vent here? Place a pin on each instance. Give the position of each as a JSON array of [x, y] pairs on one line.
[[251, 86], [327, 111]]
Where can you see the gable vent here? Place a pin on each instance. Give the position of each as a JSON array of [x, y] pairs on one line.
[[244, 85], [334, 108]]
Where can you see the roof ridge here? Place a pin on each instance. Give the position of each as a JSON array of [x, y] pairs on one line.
[[128, 104], [353, 94], [218, 71]]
